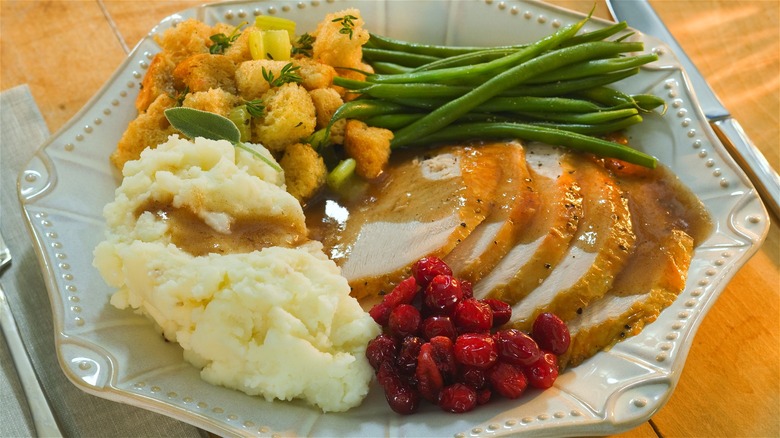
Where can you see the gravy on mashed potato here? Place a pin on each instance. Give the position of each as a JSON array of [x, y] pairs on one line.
[[277, 321]]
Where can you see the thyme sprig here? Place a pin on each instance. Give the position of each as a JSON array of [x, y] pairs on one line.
[[347, 24], [222, 42], [289, 73], [255, 107], [303, 45]]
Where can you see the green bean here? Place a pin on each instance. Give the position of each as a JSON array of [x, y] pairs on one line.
[[469, 58], [351, 84], [445, 114], [389, 68], [401, 58], [597, 129], [567, 87], [459, 73], [585, 118], [441, 51], [392, 121], [596, 35], [611, 97], [649, 102], [361, 108], [397, 121], [517, 104], [446, 51], [594, 67], [606, 96], [388, 91], [543, 134]]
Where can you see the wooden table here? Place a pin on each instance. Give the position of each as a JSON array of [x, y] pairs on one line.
[[730, 386]]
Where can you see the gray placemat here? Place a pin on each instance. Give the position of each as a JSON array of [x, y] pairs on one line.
[[22, 131]]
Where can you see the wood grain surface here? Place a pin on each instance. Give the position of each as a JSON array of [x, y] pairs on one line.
[[730, 385]]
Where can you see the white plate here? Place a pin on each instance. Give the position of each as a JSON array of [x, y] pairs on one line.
[[118, 355]]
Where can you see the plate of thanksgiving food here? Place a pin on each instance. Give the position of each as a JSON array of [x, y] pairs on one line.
[[344, 218]]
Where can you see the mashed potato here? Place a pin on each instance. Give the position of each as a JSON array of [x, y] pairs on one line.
[[277, 322]]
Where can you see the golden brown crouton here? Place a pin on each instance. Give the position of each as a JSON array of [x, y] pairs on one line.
[[249, 77], [186, 39], [304, 171], [157, 80], [147, 130], [341, 50], [369, 146], [238, 52], [326, 102], [314, 74], [216, 101], [289, 117], [205, 71], [337, 131]]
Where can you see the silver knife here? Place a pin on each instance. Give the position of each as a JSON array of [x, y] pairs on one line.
[[641, 16]]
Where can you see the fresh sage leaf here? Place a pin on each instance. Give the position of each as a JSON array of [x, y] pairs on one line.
[[197, 123]]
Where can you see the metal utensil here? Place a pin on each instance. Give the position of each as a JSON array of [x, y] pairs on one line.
[[641, 16], [43, 418]]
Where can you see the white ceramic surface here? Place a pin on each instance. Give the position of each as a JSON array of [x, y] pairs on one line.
[[118, 355]]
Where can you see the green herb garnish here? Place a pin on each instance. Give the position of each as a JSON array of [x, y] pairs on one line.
[[347, 24], [222, 42], [196, 123], [303, 45], [288, 74], [255, 107]]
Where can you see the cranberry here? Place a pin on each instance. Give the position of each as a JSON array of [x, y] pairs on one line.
[[429, 379], [402, 398], [458, 398], [476, 350], [407, 354], [551, 333], [404, 320], [516, 347], [387, 375], [381, 313], [442, 294], [380, 349], [443, 353], [426, 268], [508, 380], [542, 373], [483, 396], [403, 293], [473, 316], [502, 311], [473, 377], [438, 326]]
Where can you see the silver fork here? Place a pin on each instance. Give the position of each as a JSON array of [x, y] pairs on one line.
[[43, 418]]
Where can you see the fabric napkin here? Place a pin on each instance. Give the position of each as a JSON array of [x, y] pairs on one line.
[[80, 414]]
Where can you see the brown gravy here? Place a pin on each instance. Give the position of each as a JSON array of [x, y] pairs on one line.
[[191, 234]]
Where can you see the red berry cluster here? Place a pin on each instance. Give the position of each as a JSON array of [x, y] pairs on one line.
[[443, 345]]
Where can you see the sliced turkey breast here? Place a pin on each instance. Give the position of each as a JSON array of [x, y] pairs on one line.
[[543, 242], [599, 250], [423, 205], [668, 222], [512, 209]]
